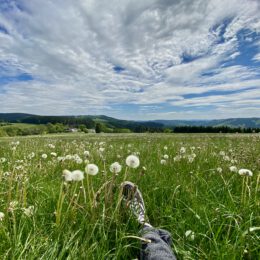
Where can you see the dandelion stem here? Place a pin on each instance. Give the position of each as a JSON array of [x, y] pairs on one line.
[[89, 192]]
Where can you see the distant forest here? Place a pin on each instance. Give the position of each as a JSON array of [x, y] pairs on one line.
[[24, 124]]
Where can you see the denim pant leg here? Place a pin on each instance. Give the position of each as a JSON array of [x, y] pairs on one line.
[[160, 246]]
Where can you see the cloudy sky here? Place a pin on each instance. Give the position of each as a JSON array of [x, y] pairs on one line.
[[131, 59]]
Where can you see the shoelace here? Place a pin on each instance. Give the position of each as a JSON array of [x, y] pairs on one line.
[[138, 208]]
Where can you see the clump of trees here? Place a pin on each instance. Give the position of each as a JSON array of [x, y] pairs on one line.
[[48, 128], [214, 129], [64, 120], [7, 129]]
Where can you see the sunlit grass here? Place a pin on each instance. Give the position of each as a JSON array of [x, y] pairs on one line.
[[193, 190]]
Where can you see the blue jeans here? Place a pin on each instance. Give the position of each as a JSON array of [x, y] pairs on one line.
[[160, 246]]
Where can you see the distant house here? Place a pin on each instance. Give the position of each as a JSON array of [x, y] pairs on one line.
[[92, 131], [73, 130]]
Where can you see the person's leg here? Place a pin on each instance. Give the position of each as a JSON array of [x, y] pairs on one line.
[[156, 243]]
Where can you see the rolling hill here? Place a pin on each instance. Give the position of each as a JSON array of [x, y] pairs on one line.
[[91, 120]]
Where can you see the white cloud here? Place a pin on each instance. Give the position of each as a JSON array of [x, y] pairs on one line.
[[71, 48], [256, 57]]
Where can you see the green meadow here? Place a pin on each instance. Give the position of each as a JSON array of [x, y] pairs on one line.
[[189, 189]]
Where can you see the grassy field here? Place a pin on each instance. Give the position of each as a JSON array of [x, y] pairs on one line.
[[19, 125], [192, 190]]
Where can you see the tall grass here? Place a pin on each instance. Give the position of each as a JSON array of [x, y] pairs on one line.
[[85, 220]]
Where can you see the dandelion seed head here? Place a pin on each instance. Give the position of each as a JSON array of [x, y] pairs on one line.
[[163, 162], [86, 153], [67, 175], [132, 161], [245, 172], [190, 235], [219, 170], [2, 215], [115, 167], [233, 168], [3, 160], [28, 211], [77, 175], [91, 169], [166, 157], [44, 156]]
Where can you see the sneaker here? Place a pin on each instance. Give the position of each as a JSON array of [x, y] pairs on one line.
[[134, 200]]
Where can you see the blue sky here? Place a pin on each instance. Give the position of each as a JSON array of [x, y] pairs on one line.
[[131, 59]]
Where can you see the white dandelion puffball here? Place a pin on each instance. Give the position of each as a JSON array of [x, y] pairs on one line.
[[219, 170], [67, 175], [182, 150], [163, 162], [29, 211], [132, 161], [115, 167], [166, 157], [86, 153], [245, 172], [101, 149], [190, 235], [44, 156], [2, 160], [233, 168], [91, 169], [77, 175], [2, 215]]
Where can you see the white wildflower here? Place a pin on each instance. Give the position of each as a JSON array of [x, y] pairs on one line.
[[163, 162], [182, 150], [54, 154], [77, 175], [177, 158], [19, 167], [166, 157], [13, 205], [245, 172], [86, 153], [44, 156], [219, 170], [115, 167], [78, 160], [132, 161], [28, 211], [31, 155], [233, 168], [91, 169], [68, 157], [226, 158], [67, 175], [101, 149], [190, 158], [190, 235], [2, 215], [2, 160], [61, 159]]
